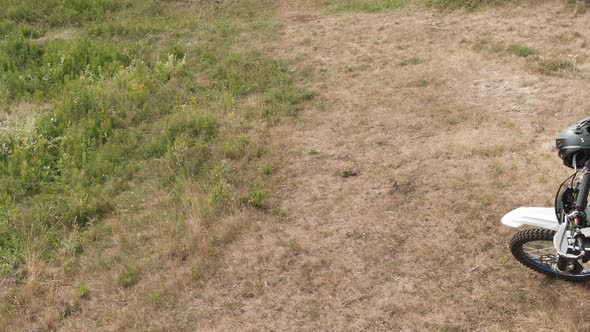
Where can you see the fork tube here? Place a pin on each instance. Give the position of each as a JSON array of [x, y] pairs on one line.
[[582, 199]]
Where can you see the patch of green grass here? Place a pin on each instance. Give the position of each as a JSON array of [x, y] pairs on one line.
[[129, 276], [490, 46], [120, 115], [267, 169], [258, 199], [554, 66], [369, 6], [549, 66], [522, 51], [156, 298], [411, 61], [464, 4], [124, 125], [279, 212], [83, 291], [313, 152], [454, 120], [59, 12], [32, 69]]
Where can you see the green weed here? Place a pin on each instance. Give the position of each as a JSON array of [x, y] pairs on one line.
[[258, 199], [83, 291], [156, 298]]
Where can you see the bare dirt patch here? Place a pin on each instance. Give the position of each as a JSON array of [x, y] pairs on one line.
[[444, 138]]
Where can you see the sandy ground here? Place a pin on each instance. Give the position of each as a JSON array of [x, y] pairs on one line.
[[440, 138]]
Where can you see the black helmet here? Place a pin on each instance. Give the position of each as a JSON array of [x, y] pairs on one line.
[[574, 143]]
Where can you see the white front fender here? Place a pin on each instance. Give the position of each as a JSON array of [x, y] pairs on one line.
[[533, 216]]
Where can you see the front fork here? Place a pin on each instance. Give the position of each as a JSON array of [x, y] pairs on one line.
[[569, 239], [569, 242]]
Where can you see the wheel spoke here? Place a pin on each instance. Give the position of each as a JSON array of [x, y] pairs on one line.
[[544, 253], [535, 249]]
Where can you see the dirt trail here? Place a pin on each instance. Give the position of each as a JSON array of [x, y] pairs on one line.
[[445, 137]]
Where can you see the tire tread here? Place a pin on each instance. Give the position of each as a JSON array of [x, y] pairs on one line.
[[538, 234]]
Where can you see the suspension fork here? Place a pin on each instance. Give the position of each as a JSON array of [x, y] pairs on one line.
[[577, 220], [582, 199], [574, 222]]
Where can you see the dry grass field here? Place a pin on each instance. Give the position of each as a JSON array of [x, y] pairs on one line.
[[386, 190], [449, 121]]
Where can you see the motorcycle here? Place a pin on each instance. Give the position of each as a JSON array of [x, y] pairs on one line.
[[559, 243]]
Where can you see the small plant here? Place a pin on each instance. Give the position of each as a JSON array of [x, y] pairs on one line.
[[260, 151], [83, 291], [73, 246], [129, 276], [349, 172], [313, 152], [257, 199], [156, 298], [498, 168], [267, 169]]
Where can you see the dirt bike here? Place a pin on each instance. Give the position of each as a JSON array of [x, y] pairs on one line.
[[559, 245]]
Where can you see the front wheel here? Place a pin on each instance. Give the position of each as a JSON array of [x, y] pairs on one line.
[[534, 249]]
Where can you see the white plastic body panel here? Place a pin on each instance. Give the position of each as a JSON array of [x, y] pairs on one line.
[[532, 216]]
